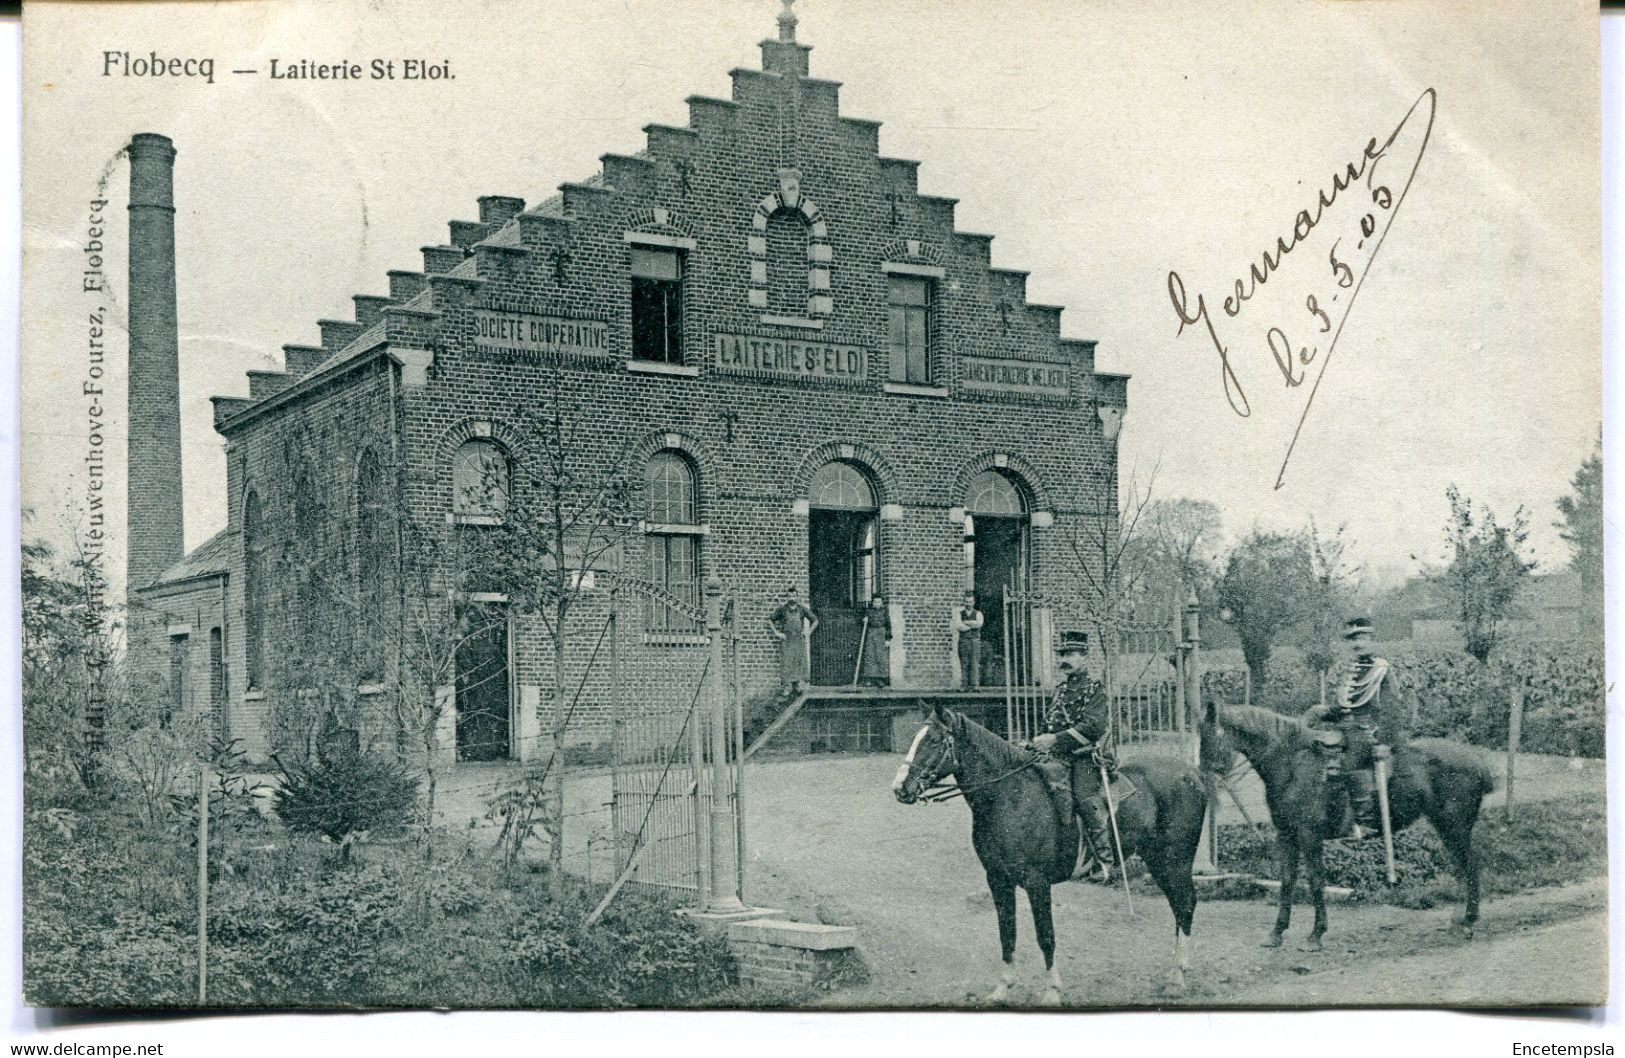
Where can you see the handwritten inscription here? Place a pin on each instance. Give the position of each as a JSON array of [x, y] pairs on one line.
[[988, 375], [1372, 185], [789, 358]]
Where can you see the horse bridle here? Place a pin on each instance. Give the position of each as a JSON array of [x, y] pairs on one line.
[[935, 791]]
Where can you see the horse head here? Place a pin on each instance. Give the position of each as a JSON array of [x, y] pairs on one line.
[[1217, 750], [931, 756]]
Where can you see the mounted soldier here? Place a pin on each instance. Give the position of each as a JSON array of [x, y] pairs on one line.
[[1078, 729], [1362, 716]]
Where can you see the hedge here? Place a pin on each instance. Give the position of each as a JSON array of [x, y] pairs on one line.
[[1448, 694]]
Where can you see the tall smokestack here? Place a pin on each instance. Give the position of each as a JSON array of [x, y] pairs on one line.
[[153, 473]]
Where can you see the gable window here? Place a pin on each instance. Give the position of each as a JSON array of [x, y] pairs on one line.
[[657, 305], [673, 538], [480, 481], [909, 305]]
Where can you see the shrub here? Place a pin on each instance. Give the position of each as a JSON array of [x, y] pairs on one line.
[[346, 794], [1545, 843], [641, 953]]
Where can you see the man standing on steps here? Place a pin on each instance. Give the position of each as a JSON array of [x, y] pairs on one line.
[[792, 625], [1079, 731], [967, 625]]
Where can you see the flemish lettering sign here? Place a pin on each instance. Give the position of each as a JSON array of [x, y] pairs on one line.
[[980, 374], [754, 354], [521, 335]]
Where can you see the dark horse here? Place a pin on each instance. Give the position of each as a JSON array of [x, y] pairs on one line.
[[1444, 781], [1026, 837]]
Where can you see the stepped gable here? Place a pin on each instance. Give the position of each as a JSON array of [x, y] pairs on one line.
[[506, 232]]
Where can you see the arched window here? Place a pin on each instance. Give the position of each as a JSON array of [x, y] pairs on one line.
[[375, 563], [670, 483], [671, 517], [841, 486], [994, 493], [480, 480], [787, 240], [255, 567]]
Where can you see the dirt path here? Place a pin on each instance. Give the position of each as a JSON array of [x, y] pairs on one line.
[[829, 843], [1565, 962]]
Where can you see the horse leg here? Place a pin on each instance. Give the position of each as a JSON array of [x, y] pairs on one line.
[[1174, 879], [1004, 902], [1044, 926], [1312, 854], [1286, 857], [1458, 840]]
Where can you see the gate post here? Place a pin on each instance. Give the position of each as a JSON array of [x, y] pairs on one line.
[[724, 897], [1191, 647]]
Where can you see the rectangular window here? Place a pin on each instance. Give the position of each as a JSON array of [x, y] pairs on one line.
[[657, 305], [179, 658], [909, 302], [673, 567]]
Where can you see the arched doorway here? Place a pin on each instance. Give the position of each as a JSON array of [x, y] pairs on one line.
[[843, 566], [997, 547]]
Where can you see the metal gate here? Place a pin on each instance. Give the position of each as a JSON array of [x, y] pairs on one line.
[[1144, 680], [1027, 655], [661, 786]]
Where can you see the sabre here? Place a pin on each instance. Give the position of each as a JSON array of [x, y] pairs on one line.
[[1117, 840], [1381, 768]]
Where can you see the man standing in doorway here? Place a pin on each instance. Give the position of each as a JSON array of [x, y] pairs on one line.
[[967, 625]]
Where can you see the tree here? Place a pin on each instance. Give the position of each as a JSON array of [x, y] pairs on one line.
[[535, 520], [1486, 569], [1582, 527], [1330, 597], [1112, 556], [1182, 536], [1268, 585]]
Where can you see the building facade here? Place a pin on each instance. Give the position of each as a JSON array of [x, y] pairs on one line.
[[762, 351]]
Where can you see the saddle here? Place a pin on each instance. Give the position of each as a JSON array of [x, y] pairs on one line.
[[1057, 775]]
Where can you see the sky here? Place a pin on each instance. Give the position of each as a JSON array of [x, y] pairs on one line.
[[1104, 145]]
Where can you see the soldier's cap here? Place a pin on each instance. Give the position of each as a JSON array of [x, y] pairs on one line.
[[1357, 628], [1072, 643]]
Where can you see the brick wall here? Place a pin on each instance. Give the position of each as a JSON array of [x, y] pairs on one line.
[[778, 148]]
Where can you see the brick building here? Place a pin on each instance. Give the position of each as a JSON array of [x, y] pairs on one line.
[[803, 372]]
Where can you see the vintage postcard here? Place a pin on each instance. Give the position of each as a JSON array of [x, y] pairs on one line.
[[812, 503]]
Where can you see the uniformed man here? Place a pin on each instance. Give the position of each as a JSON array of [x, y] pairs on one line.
[[1079, 730], [1364, 697]]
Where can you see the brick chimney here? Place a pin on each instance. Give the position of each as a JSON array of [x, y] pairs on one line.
[[153, 470]]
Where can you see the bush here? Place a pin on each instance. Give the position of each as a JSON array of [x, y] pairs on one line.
[[1453, 696], [641, 953], [1545, 843], [1446, 693], [345, 794]]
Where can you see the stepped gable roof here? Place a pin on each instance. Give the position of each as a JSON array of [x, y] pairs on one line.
[[212, 558], [782, 58]]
